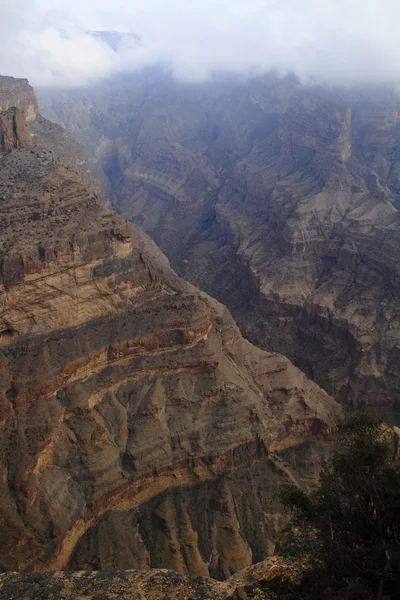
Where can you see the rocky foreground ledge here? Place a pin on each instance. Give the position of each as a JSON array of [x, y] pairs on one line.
[[256, 581]]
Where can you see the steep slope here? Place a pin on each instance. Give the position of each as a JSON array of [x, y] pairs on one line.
[[138, 428], [279, 200]]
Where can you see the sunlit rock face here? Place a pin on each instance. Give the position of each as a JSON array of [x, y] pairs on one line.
[[138, 428], [278, 199]]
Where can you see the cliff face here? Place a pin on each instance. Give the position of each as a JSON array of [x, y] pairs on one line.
[[280, 200], [138, 428]]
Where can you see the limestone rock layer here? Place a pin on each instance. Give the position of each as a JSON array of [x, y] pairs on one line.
[[138, 428]]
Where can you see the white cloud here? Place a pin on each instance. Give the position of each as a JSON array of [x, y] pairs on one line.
[[332, 40]]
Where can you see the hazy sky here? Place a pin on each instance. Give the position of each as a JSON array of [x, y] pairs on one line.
[[339, 41]]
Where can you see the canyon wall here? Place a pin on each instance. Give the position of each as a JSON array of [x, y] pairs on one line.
[[280, 200], [138, 428]]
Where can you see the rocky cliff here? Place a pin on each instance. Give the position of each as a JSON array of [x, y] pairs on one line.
[[278, 199], [138, 428]]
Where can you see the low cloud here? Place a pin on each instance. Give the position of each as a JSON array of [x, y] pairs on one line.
[[336, 41]]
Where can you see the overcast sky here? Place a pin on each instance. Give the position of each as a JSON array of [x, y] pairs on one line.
[[339, 41]]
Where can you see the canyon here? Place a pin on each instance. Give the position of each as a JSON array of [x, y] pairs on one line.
[[278, 199], [138, 428]]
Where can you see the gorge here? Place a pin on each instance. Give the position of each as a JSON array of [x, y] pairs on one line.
[[279, 199]]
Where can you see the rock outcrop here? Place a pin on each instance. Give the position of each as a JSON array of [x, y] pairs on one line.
[[18, 106], [138, 428], [14, 132], [278, 199]]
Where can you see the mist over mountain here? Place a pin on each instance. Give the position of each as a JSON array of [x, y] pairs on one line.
[[333, 42]]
